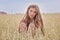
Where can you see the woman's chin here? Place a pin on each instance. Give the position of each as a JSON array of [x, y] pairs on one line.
[[31, 18]]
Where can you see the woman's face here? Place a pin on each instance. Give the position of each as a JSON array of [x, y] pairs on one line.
[[32, 13]]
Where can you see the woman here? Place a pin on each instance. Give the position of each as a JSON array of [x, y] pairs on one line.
[[32, 20]]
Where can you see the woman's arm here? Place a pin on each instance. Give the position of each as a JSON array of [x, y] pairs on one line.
[[41, 27], [32, 28], [22, 27]]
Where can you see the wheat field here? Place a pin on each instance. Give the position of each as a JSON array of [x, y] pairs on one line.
[[9, 27]]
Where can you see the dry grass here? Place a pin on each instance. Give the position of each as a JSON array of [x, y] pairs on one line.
[[9, 28]]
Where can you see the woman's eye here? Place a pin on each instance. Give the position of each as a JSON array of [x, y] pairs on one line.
[[30, 10]]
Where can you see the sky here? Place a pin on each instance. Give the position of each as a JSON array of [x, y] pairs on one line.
[[20, 6]]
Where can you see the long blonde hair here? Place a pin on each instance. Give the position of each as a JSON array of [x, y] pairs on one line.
[[37, 17]]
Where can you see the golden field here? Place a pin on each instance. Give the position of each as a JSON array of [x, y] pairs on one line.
[[9, 27]]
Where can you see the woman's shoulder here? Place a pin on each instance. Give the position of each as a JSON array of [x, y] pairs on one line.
[[22, 23], [23, 20]]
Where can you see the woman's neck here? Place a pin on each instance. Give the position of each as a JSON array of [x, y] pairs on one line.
[[31, 20]]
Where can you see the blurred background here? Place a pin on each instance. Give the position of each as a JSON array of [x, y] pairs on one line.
[[20, 6]]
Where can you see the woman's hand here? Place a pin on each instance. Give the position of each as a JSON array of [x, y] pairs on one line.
[[32, 25], [32, 28], [22, 27]]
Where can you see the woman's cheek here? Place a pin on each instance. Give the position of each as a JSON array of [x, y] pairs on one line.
[[30, 15]]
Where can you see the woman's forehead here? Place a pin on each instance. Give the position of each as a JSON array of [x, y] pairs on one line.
[[34, 9]]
